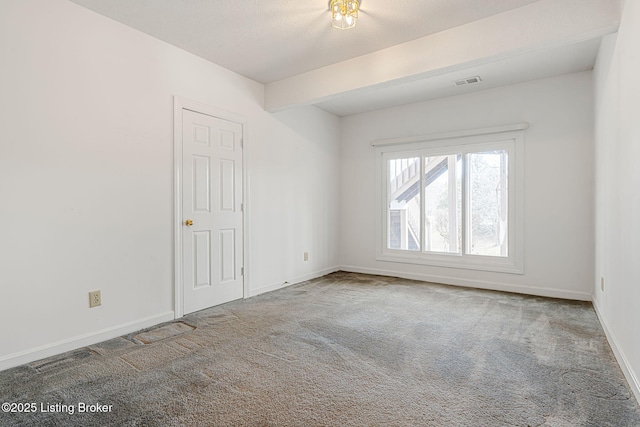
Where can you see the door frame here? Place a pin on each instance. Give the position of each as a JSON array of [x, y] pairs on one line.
[[180, 104]]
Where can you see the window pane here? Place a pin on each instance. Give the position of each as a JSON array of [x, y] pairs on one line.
[[488, 203], [442, 203], [404, 204]]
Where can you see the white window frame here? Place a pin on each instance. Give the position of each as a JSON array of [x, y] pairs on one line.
[[509, 138]]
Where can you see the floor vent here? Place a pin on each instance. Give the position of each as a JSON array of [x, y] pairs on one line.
[[160, 333]]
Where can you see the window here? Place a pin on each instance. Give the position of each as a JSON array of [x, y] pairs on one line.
[[453, 200]]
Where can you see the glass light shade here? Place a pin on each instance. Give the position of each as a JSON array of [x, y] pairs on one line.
[[344, 13]]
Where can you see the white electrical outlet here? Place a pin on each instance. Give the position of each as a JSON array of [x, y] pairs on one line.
[[306, 256], [94, 299], [602, 284]]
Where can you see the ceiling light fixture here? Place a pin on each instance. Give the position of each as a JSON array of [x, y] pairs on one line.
[[344, 13]]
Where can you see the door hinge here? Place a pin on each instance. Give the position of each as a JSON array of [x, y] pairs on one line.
[[241, 207], [242, 271], [241, 142]]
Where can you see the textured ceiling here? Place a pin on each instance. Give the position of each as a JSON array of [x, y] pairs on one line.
[[515, 69], [268, 40]]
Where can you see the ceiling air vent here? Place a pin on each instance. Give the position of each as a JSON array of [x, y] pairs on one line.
[[467, 81]]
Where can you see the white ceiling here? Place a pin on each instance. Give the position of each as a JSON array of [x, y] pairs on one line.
[[273, 40], [515, 69], [268, 40]]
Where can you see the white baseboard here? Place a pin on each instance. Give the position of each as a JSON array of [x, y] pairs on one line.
[[48, 350], [293, 281], [627, 370], [472, 283]]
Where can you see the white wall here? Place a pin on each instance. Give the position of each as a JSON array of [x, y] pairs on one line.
[[617, 193], [558, 182], [86, 165], [295, 187]]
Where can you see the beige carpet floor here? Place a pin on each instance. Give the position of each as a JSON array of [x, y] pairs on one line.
[[342, 350]]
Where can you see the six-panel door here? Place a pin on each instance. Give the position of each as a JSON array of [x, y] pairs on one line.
[[212, 201]]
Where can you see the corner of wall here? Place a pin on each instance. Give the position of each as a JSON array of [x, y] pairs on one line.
[[627, 369]]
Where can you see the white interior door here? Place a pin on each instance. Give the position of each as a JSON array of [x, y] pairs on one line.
[[211, 211]]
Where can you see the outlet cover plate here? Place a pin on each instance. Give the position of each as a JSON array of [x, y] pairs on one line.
[[94, 299]]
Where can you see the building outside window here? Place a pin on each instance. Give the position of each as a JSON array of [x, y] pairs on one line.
[[453, 201]]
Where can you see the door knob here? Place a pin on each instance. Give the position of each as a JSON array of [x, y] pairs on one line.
[[188, 222]]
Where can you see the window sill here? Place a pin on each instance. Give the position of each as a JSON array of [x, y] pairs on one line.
[[479, 263]]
